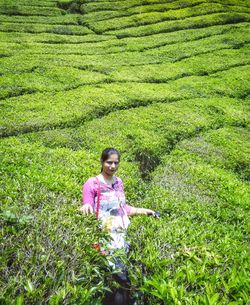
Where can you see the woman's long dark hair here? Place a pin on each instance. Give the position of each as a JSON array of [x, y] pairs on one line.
[[107, 152]]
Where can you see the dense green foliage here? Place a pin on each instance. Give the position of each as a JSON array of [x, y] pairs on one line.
[[166, 83]]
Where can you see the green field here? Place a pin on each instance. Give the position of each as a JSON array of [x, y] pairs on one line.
[[166, 82]]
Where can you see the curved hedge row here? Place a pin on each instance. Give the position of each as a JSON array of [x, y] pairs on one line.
[[165, 82]]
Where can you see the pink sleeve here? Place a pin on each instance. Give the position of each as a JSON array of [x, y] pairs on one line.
[[88, 192], [126, 207]]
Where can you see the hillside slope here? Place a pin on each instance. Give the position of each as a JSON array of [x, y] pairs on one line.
[[166, 83]]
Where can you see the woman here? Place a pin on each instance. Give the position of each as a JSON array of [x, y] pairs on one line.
[[112, 209], [104, 195]]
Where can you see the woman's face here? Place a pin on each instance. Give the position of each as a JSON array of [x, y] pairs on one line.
[[111, 165]]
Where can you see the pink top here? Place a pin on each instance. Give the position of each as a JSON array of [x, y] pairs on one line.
[[113, 210], [110, 196]]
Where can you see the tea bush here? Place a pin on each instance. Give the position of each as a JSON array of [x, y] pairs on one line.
[[226, 148], [197, 65], [92, 6], [148, 132], [47, 79], [91, 15], [157, 17], [235, 35], [179, 4], [50, 38], [55, 265], [165, 82], [66, 19], [190, 40], [44, 28], [36, 3], [192, 22], [201, 240], [145, 6], [92, 102], [29, 10]]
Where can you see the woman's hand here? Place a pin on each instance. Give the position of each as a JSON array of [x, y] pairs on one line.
[[142, 211], [86, 209]]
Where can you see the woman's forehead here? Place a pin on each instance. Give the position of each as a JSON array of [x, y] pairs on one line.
[[113, 157]]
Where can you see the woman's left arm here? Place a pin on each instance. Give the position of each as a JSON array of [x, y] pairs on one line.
[[131, 211], [140, 211]]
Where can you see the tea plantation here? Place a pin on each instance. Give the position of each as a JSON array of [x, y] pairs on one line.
[[166, 82]]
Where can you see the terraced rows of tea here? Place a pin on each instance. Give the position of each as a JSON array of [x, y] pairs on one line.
[[167, 84]]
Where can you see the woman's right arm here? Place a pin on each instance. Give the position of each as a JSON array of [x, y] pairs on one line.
[[88, 198]]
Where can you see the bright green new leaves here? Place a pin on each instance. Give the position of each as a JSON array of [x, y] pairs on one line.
[[75, 106], [166, 83], [144, 19], [201, 239], [192, 22]]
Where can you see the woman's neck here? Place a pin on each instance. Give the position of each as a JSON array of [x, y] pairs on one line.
[[107, 178]]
